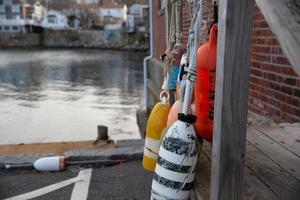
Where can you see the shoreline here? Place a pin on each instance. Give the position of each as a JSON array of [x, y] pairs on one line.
[[142, 50]]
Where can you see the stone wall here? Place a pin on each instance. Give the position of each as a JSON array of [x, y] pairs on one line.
[[19, 40], [94, 39], [76, 39]]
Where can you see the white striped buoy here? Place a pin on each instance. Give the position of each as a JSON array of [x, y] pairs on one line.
[[175, 168]]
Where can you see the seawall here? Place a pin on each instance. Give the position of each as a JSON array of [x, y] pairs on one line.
[[118, 40]]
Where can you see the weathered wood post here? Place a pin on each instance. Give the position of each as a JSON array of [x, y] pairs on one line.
[[230, 117]]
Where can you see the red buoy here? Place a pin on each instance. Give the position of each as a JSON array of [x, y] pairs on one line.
[[205, 86]]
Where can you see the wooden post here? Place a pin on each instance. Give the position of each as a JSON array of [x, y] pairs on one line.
[[102, 133], [230, 116]]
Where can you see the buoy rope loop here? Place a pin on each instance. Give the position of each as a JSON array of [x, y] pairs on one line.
[[164, 96]]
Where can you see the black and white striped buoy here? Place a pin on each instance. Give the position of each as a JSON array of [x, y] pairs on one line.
[[175, 168]]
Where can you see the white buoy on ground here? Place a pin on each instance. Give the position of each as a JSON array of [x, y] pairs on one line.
[[54, 163]]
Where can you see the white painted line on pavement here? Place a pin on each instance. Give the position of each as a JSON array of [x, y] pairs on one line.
[[82, 177], [81, 188]]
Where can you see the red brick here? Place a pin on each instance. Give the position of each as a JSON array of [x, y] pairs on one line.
[[280, 60], [293, 101], [261, 24], [254, 79], [262, 32], [286, 90], [258, 16], [265, 41], [274, 86], [261, 49], [289, 71], [297, 92], [290, 81], [277, 50], [279, 96], [256, 72], [260, 57]]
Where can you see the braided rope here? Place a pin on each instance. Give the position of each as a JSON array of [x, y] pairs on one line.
[[195, 36]]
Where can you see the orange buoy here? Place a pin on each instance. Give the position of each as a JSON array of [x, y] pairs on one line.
[[177, 106], [205, 86]]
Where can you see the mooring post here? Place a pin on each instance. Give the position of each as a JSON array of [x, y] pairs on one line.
[[102, 132]]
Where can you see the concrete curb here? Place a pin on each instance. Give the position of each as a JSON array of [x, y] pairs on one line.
[[125, 149]]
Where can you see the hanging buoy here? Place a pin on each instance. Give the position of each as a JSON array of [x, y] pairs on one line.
[[175, 168], [156, 123], [181, 76], [176, 55], [177, 106], [48, 164], [205, 86], [176, 164]]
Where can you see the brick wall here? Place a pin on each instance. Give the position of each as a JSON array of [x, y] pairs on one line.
[[274, 87], [159, 30]]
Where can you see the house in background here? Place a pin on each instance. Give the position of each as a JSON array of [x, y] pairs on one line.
[[55, 20], [88, 14], [113, 15], [14, 15], [140, 13]]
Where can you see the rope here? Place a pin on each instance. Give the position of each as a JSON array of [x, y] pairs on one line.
[[173, 34], [178, 34], [167, 22], [195, 36]]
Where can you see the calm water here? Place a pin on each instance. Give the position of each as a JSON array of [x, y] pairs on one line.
[[62, 95]]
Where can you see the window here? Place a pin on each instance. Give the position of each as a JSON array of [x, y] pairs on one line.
[[21, 12], [6, 28], [0, 28], [52, 19], [8, 12], [1, 2], [162, 4], [15, 28]]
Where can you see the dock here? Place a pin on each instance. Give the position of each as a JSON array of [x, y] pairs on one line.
[[271, 168]]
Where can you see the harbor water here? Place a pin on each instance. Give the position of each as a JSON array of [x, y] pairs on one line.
[[62, 95]]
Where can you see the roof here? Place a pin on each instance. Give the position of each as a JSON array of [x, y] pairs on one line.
[[106, 4], [140, 5], [85, 6], [56, 11]]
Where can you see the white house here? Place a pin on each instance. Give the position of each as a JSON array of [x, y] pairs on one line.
[[113, 15], [12, 15], [55, 20], [114, 10], [140, 13]]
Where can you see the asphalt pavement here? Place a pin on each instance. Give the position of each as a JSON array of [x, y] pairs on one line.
[[126, 181]]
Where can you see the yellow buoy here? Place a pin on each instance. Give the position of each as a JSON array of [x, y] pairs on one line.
[[157, 122]]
